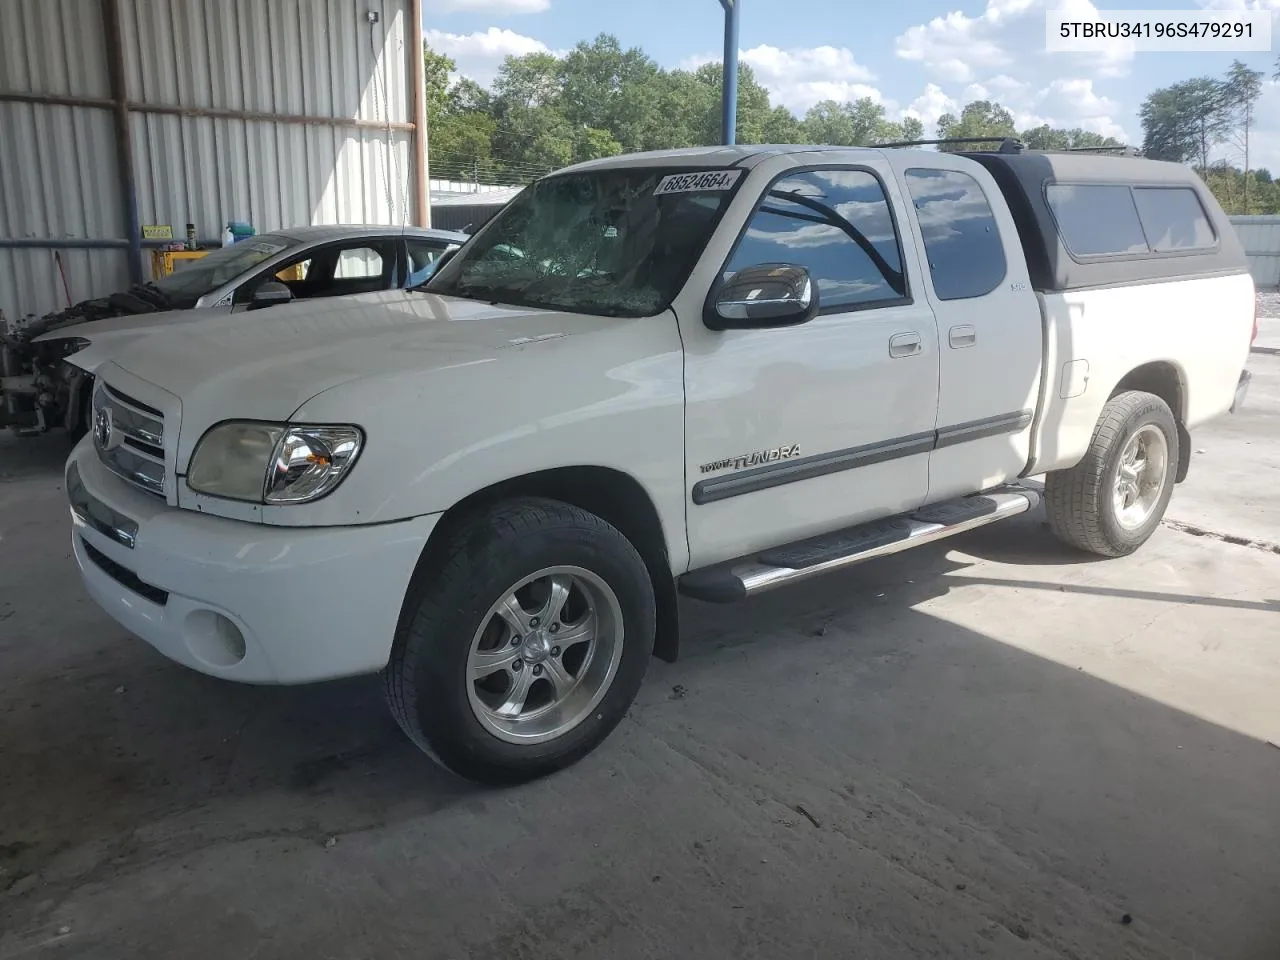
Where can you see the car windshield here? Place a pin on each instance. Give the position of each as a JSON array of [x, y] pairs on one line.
[[197, 277], [617, 242]]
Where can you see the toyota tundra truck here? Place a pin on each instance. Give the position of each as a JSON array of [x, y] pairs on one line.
[[708, 372]]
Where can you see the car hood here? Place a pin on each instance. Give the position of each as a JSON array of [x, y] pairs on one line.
[[106, 338], [92, 330], [266, 364]]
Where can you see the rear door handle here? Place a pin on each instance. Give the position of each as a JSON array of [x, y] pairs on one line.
[[904, 345], [962, 336]]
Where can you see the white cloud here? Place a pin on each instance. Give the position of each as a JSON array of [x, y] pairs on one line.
[[997, 53], [799, 78], [1272, 5], [930, 105], [956, 47], [486, 6], [478, 55]]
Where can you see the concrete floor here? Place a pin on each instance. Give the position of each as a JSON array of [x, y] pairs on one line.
[[990, 748]]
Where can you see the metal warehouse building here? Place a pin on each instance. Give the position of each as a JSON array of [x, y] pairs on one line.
[[118, 115]]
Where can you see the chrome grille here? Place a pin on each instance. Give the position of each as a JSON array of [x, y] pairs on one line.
[[129, 437]]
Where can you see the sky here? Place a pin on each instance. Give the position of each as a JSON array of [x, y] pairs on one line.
[[917, 57]]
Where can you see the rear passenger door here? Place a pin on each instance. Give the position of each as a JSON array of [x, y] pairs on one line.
[[989, 330]]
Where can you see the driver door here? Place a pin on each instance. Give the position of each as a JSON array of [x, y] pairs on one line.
[[797, 431]]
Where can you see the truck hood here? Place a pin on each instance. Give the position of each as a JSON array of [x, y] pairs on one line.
[[264, 365], [107, 337]]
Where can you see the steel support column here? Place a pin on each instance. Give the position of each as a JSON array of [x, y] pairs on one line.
[[124, 140], [417, 75], [729, 93]]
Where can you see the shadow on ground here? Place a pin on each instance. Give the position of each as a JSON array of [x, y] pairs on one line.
[[829, 771]]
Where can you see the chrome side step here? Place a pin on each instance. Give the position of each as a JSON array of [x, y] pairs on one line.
[[739, 579]]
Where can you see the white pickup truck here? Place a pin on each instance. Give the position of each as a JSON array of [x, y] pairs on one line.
[[712, 371]]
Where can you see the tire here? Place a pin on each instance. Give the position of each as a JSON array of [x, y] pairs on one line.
[[451, 621], [1082, 501]]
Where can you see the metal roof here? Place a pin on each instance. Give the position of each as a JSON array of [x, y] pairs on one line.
[[479, 198]]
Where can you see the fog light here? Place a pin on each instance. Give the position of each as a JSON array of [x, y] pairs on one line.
[[213, 639]]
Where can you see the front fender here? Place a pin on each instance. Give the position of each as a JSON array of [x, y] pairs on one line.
[[612, 398]]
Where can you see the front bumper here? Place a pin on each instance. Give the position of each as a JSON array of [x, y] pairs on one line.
[[1242, 390], [242, 601]]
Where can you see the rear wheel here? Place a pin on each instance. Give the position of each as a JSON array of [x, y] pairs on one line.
[[1115, 497], [524, 651]]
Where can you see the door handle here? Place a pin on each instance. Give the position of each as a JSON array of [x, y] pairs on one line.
[[962, 336], [904, 345]]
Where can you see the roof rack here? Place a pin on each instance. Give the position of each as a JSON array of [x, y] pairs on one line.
[[1123, 149], [1007, 144]]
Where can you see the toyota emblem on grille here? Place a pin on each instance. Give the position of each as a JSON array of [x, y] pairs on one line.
[[103, 433]]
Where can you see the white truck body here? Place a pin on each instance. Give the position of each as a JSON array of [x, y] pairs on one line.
[[738, 440]]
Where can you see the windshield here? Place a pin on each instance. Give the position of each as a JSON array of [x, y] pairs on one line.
[[198, 277], [615, 242]]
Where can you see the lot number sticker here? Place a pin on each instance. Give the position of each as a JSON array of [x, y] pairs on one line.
[[696, 182]]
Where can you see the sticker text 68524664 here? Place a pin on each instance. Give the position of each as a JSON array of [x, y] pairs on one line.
[[692, 182]]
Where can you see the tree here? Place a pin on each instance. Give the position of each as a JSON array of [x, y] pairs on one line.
[[459, 128], [981, 118], [912, 128], [1184, 121], [532, 80], [436, 69], [607, 88], [1243, 88], [1045, 137]]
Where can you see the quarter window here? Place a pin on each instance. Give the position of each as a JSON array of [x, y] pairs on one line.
[[1173, 219], [961, 239], [423, 256], [1097, 219], [835, 223], [357, 263]]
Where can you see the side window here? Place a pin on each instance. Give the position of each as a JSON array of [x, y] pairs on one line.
[[359, 266], [356, 263], [961, 239], [1173, 219], [423, 255], [295, 271], [835, 223], [1097, 219]]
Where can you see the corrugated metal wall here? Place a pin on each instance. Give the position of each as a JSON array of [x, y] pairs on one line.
[[1260, 236], [58, 173], [318, 58]]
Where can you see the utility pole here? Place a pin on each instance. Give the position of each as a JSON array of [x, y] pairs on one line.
[[729, 94]]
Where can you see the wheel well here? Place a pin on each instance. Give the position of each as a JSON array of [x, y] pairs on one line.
[[611, 495], [1162, 379]]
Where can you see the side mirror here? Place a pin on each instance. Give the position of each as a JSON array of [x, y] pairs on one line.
[[766, 295], [270, 294]]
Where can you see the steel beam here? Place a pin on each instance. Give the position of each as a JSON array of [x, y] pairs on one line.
[[174, 110]]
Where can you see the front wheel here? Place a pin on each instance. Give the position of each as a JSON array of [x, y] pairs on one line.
[[524, 650], [1111, 502]]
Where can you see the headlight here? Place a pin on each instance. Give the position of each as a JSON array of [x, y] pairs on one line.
[[72, 345], [273, 462]]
